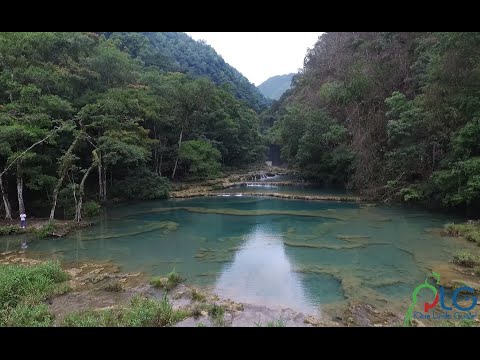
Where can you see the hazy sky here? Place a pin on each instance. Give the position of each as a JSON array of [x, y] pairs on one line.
[[260, 55]]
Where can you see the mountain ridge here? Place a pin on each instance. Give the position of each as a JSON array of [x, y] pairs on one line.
[[177, 51], [274, 87]]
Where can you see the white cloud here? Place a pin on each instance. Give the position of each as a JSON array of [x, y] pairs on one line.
[[260, 55]]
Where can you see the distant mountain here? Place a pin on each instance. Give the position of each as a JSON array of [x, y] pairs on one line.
[[176, 51], [275, 86]]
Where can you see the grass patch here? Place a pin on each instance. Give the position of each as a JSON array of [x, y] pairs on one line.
[[272, 323], [216, 313], [276, 323], [46, 230], [25, 315], [200, 324], [30, 284], [140, 312], [197, 296], [24, 288], [470, 231], [167, 283], [464, 258], [461, 323]]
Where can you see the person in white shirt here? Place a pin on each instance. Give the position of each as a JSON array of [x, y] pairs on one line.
[[23, 220]]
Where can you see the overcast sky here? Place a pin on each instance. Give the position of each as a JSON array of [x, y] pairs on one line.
[[260, 55]]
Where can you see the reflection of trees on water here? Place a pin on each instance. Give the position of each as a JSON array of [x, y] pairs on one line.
[[261, 273]]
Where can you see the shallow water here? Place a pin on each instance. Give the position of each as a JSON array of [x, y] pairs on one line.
[[283, 177], [298, 189], [306, 255]]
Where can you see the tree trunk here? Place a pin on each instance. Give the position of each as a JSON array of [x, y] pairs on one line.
[[104, 181], [78, 210], [155, 151], [66, 159], [55, 196], [74, 190], [21, 205], [5, 199], [6, 203], [160, 165], [100, 178], [178, 154]]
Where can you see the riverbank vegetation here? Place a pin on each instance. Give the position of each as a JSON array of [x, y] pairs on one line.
[[23, 290], [469, 231], [27, 291], [41, 228], [138, 312], [392, 115], [91, 116]]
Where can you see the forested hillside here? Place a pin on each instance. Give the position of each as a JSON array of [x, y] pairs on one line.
[[274, 87], [392, 115], [81, 118], [176, 51]]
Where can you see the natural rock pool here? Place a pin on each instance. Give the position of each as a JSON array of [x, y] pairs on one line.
[[307, 255]]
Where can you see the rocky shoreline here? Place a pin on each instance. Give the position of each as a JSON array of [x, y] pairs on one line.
[[101, 286]]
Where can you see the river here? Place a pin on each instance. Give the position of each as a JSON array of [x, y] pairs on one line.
[[311, 256]]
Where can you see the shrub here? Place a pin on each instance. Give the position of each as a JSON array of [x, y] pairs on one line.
[[469, 231], [167, 283], [46, 230], [200, 158], [464, 258], [91, 209], [9, 229]]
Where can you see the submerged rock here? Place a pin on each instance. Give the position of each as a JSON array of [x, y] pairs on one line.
[[352, 237], [366, 315]]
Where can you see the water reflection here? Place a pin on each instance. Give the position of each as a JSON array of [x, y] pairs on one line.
[[268, 251], [261, 273]]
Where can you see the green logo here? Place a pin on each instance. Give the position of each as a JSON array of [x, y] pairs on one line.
[[427, 306]]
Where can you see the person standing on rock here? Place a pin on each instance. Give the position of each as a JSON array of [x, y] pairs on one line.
[[23, 220]]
